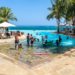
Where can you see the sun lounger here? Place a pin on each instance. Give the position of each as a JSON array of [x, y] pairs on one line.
[[2, 36]]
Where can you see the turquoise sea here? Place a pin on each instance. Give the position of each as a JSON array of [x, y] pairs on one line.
[[33, 28]]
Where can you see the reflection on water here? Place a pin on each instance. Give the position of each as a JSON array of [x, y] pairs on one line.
[[32, 55]]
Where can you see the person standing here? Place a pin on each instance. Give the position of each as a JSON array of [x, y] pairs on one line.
[[16, 41], [57, 43], [60, 39], [28, 40], [31, 40], [42, 40]]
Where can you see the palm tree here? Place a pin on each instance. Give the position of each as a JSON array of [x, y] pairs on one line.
[[6, 14], [62, 8], [56, 12], [70, 14]]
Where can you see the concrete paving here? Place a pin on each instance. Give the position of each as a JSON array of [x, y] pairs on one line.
[[63, 65]]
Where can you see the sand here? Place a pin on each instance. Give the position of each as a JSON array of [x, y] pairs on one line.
[[61, 65], [11, 40]]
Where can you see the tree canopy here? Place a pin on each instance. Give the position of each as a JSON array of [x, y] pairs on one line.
[[62, 9], [6, 14]]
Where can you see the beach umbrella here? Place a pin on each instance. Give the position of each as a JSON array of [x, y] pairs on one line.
[[6, 24], [62, 24]]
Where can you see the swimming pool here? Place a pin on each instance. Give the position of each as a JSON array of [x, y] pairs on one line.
[[67, 41]]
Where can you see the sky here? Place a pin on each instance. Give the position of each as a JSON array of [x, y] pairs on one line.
[[29, 12]]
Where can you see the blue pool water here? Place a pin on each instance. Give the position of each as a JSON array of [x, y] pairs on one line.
[[67, 41], [66, 44]]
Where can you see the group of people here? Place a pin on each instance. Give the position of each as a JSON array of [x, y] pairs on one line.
[[59, 40], [30, 40]]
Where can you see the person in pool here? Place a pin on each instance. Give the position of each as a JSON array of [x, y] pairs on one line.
[[16, 41], [32, 40], [42, 39], [46, 37], [57, 43], [28, 40], [37, 33], [38, 40], [20, 47], [67, 37], [60, 39]]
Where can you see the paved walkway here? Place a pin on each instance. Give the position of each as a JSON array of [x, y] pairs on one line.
[[62, 65], [9, 67], [9, 40]]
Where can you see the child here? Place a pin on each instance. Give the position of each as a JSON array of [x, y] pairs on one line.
[[20, 46]]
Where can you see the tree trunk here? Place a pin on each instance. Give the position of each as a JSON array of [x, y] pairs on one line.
[[73, 21], [58, 23]]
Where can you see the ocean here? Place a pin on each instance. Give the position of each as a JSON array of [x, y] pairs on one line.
[[34, 28], [21, 27]]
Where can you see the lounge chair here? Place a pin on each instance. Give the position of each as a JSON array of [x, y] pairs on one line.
[[2, 36]]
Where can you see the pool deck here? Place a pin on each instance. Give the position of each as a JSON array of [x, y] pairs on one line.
[[12, 39], [61, 65], [9, 67], [6, 41]]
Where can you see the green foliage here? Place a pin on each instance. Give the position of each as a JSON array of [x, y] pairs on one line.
[[62, 9], [6, 14]]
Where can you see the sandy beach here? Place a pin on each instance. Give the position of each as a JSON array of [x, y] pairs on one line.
[[61, 65], [11, 40]]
